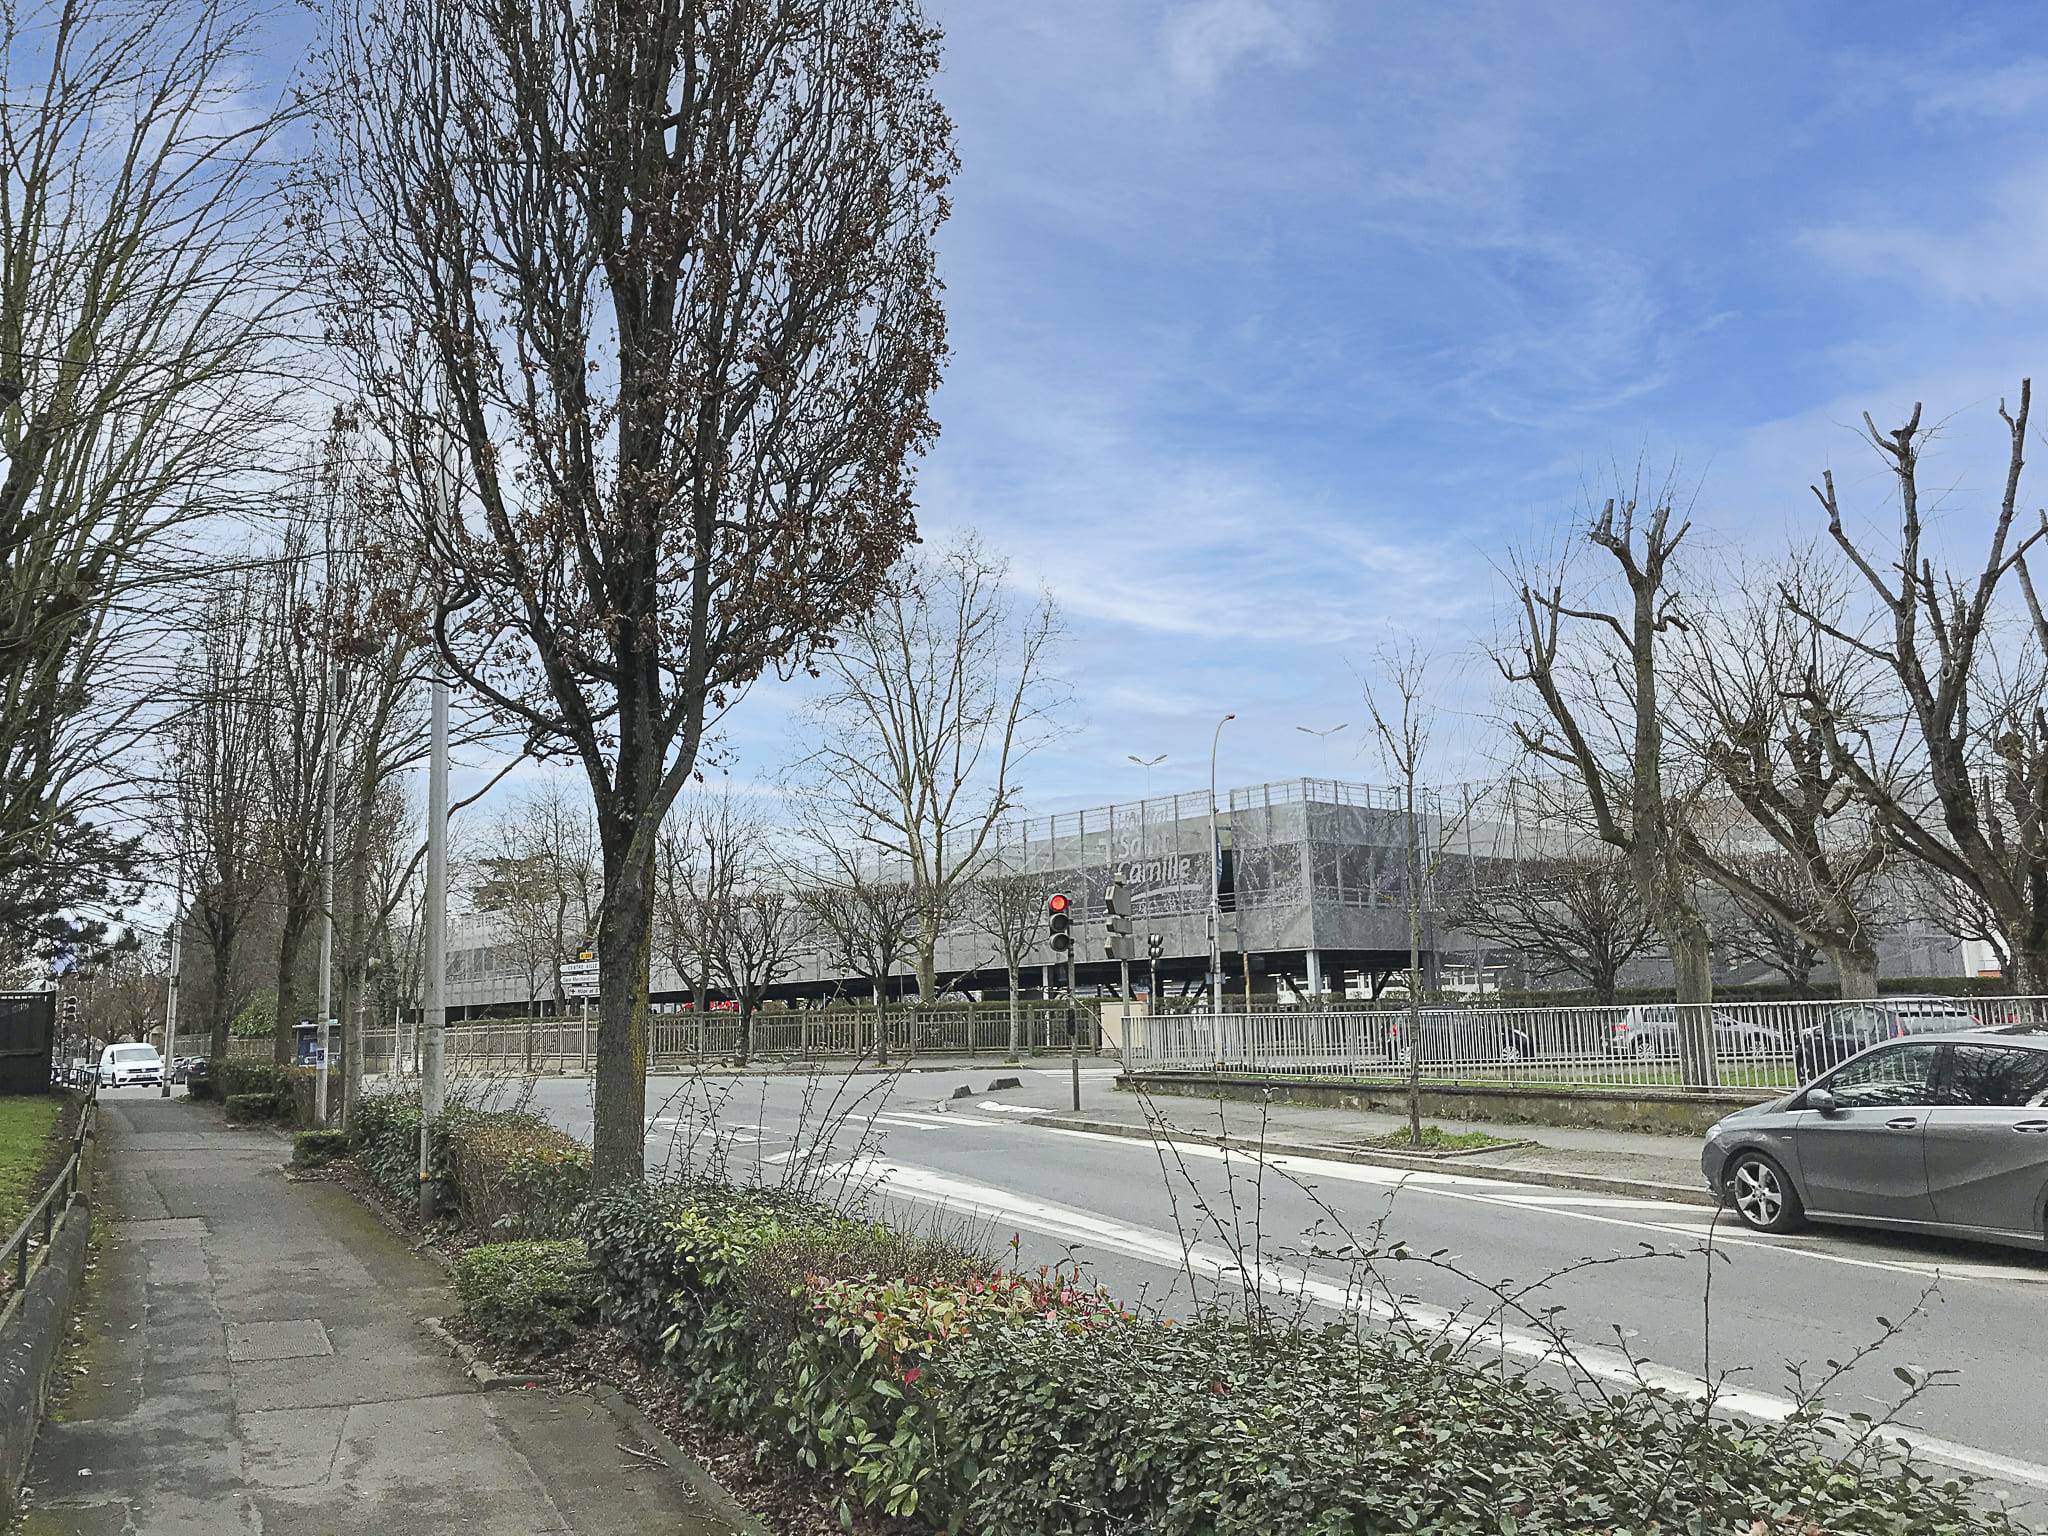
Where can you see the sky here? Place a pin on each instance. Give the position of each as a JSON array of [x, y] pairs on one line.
[[1278, 325]]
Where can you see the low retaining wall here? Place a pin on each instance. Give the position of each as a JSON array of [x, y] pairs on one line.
[[1670, 1111], [31, 1332]]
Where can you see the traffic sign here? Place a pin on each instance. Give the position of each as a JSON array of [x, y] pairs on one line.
[[579, 978]]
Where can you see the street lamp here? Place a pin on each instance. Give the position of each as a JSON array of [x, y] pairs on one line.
[[1324, 738], [1148, 764], [1216, 899]]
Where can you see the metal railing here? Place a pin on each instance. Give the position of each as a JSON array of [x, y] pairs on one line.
[[33, 1235], [1738, 1048], [679, 1040]]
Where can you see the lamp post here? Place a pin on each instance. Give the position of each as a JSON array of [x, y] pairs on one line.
[[1324, 738], [1216, 899], [1148, 764]]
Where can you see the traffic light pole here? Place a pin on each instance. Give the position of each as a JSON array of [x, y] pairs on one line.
[[1073, 1034]]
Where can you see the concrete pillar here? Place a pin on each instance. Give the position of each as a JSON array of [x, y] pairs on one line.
[[1315, 973]]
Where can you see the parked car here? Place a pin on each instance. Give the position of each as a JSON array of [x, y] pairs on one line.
[[125, 1066], [1851, 1027], [1460, 1035], [197, 1071], [1652, 1031], [1944, 1132]]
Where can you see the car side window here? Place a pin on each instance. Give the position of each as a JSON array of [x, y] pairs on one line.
[[1997, 1077], [1902, 1075]]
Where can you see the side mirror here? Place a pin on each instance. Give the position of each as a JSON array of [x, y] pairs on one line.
[[1820, 1099]]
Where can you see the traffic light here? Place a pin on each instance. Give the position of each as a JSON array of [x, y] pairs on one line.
[[1062, 922], [1116, 939], [70, 1010], [1155, 945]]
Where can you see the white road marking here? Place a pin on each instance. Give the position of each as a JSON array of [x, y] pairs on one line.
[[1450, 1186], [1012, 1109], [1595, 1361]]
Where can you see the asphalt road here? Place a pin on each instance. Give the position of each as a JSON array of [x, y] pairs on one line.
[[1634, 1276]]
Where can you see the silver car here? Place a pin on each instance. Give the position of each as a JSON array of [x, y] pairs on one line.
[[1938, 1133]]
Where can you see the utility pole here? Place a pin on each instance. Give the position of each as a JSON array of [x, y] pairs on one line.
[[434, 986], [171, 996], [326, 884]]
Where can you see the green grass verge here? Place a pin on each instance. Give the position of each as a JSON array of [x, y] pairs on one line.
[[1436, 1139], [26, 1124]]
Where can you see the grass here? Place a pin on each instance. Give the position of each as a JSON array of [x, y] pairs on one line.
[[26, 1123], [1436, 1139]]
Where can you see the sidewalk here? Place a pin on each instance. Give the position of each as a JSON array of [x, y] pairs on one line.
[[257, 1365], [1619, 1161]]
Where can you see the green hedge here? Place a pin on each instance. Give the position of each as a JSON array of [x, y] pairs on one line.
[[943, 1390], [506, 1173], [529, 1295], [290, 1089], [245, 1108], [316, 1149]]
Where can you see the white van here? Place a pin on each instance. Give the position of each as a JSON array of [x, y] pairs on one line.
[[123, 1066]]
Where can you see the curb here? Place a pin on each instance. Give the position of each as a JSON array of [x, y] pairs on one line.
[[687, 1470], [487, 1377], [1593, 1183]]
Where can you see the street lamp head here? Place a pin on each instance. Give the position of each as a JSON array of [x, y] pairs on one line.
[[1231, 716]]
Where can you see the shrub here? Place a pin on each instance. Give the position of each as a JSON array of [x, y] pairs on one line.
[[955, 1396], [498, 1172], [315, 1149], [529, 1296], [385, 1132], [514, 1174], [290, 1089], [258, 1018], [243, 1108]]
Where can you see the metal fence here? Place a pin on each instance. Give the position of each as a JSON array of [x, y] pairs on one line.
[[1740, 1048], [680, 1040]]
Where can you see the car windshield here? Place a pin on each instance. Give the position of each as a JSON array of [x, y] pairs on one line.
[[133, 1053]]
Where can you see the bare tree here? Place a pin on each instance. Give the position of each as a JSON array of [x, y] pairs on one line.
[[1742, 679], [1975, 809], [661, 279], [1754, 931], [302, 705], [1402, 721], [214, 781], [931, 700], [1603, 721], [865, 920], [138, 308], [760, 935], [708, 840], [1580, 917], [1009, 906]]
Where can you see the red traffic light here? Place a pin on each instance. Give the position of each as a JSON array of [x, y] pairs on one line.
[[1056, 904]]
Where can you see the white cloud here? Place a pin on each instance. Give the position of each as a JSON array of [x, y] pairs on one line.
[[1994, 258], [1208, 40]]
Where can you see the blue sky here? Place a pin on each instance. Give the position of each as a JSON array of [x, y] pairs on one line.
[[1277, 322]]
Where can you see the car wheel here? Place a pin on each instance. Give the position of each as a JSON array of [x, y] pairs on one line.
[[1760, 1193], [1515, 1048], [1644, 1047]]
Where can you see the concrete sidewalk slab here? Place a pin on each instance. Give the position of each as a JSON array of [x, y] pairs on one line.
[[260, 1367]]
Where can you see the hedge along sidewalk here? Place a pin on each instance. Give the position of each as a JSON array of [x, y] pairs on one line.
[[935, 1386], [1608, 1162], [259, 1365]]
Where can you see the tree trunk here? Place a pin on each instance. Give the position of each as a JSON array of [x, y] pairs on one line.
[[2030, 967], [927, 959], [291, 940], [223, 1014], [1693, 975], [745, 1047], [1855, 967], [619, 1077], [1016, 1017], [1606, 980]]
